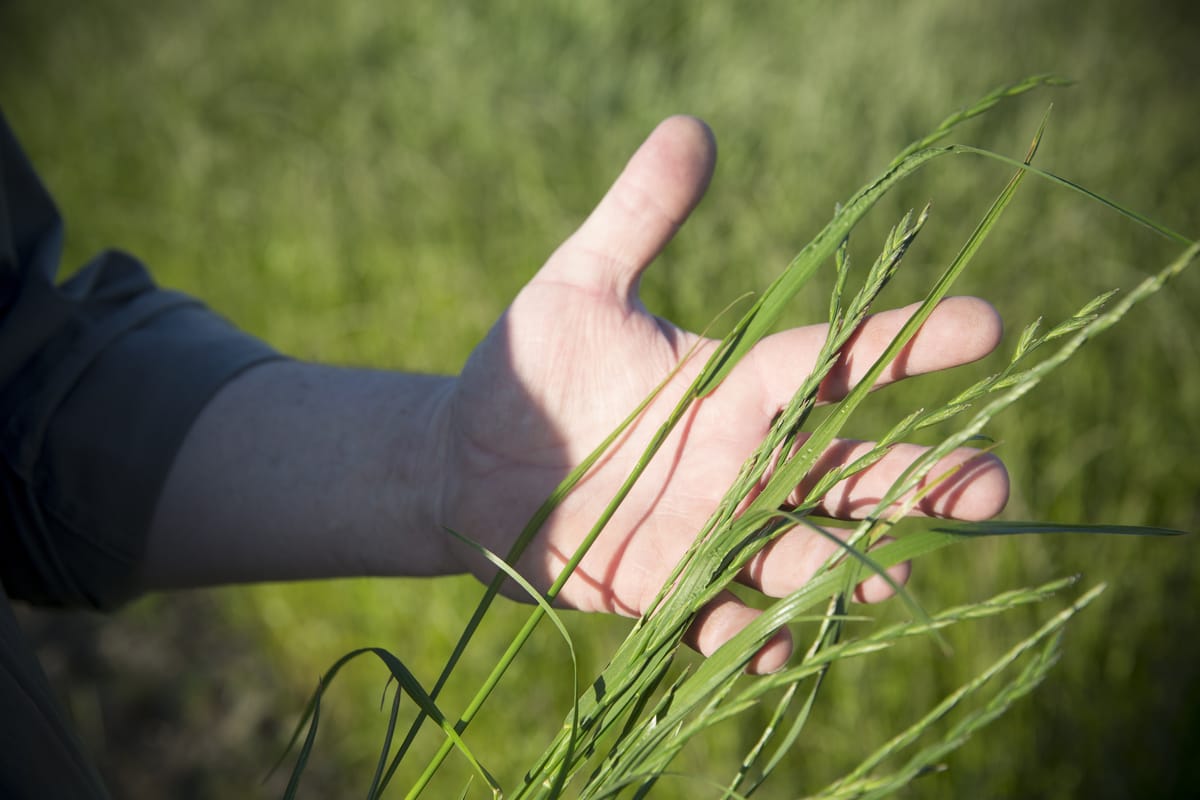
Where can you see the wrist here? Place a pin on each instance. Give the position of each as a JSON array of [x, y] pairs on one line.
[[425, 475], [298, 471]]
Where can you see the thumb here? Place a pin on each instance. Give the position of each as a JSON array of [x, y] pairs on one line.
[[659, 187]]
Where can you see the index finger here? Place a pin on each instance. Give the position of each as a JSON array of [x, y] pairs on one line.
[[960, 330]]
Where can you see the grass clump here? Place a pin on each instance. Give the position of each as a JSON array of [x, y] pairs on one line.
[[623, 733]]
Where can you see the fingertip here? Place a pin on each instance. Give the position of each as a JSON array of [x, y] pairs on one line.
[[726, 616], [774, 655], [978, 323], [994, 486], [979, 491], [875, 589], [689, 130], [685, 148]]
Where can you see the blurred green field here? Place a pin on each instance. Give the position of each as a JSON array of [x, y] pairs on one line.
[[368, 183]]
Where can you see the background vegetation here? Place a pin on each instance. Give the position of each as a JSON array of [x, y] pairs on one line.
[[369, 183]]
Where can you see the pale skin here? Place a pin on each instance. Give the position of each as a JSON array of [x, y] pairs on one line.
[[299, 470]]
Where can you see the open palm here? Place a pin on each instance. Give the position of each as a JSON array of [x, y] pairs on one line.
[[577, 351]]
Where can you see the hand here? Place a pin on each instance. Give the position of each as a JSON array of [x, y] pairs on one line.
[[577, 351]]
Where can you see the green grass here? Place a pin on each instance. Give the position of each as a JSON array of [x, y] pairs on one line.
[[370, 185]]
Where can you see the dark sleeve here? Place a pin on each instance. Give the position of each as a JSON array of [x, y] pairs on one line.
[[40, 756], [100, 380]]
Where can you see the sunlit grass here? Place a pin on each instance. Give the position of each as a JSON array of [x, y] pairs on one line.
[[314, 171]]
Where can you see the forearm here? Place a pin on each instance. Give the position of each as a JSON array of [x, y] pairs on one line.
[[298, 471]]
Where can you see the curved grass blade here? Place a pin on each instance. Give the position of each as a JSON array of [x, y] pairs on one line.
[[541, 601], [1124, 211], [405, 681]]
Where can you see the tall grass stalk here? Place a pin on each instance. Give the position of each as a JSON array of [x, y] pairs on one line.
[[623, 731]]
